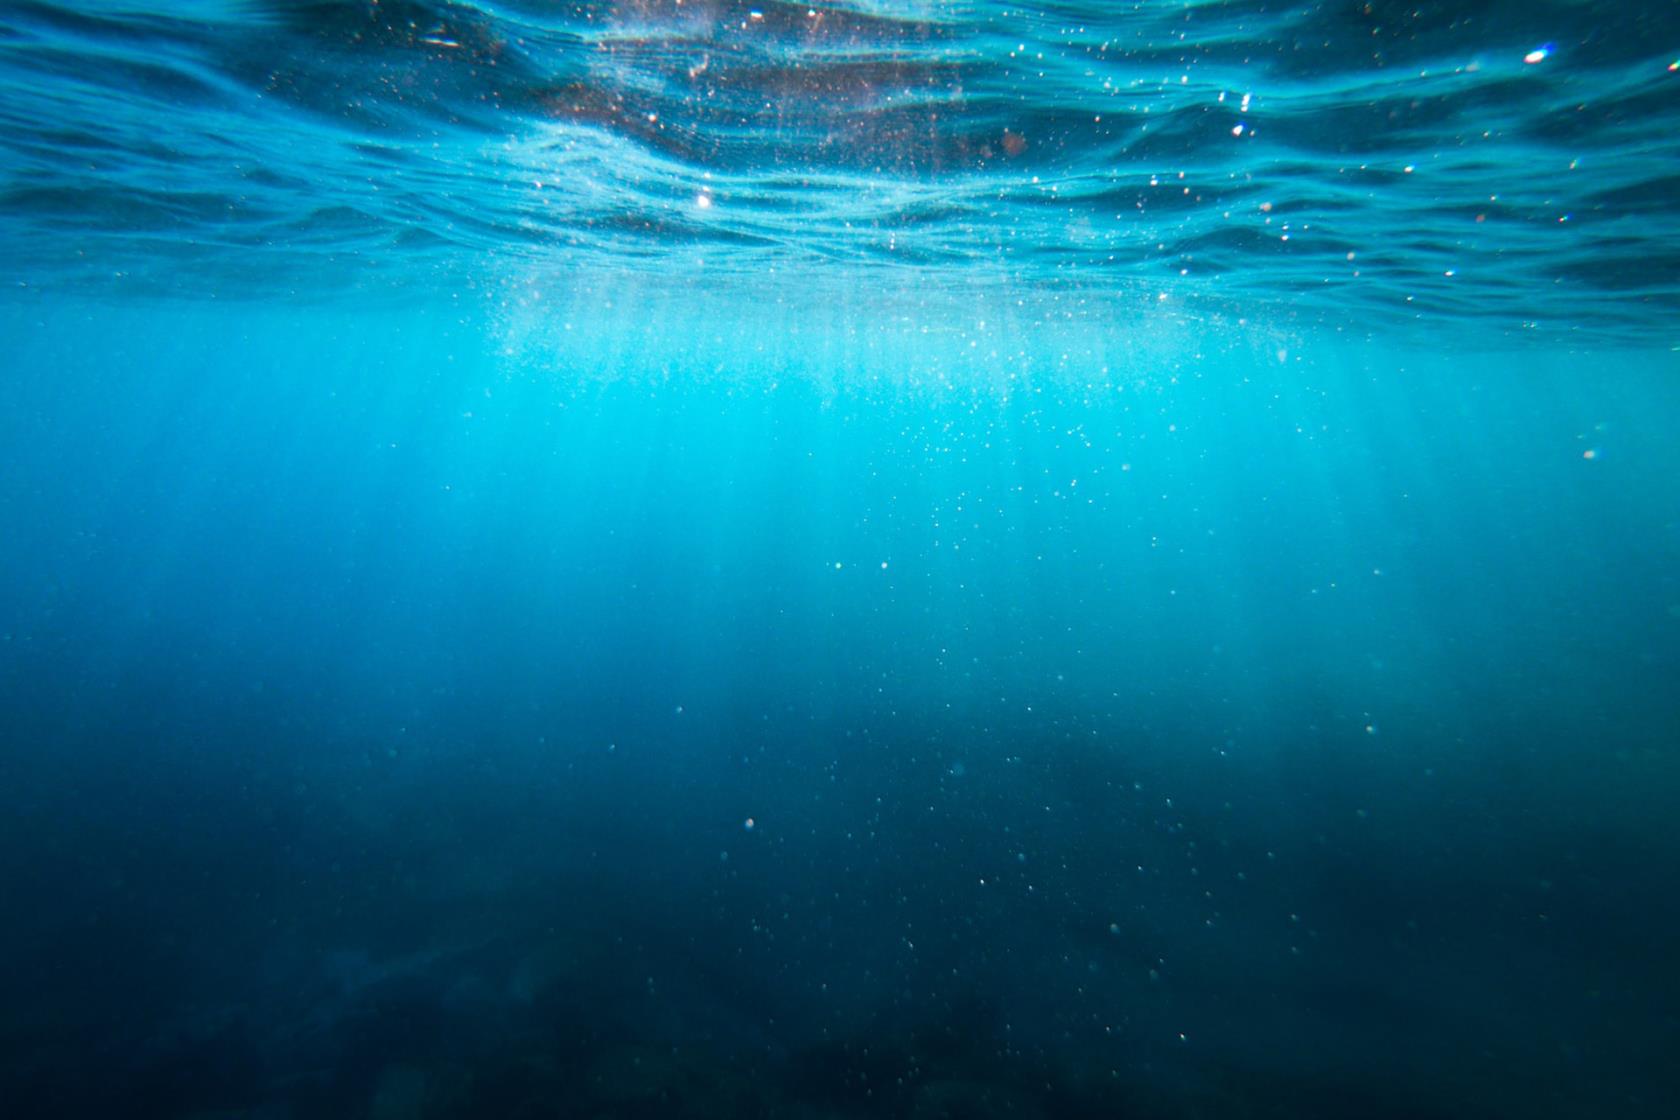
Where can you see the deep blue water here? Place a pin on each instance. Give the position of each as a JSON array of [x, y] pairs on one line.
[[934, 560]]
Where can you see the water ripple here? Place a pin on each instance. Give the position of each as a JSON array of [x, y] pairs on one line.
[[1496, 163]]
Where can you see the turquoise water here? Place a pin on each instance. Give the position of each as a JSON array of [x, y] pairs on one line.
[[1509, 165], [935, 560]]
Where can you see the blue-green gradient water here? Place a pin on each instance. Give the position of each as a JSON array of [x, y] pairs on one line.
[[935, 560]]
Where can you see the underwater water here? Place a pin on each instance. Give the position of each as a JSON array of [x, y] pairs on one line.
[[926, 560]]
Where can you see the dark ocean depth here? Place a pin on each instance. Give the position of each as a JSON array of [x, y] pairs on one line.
[[940, 561]]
